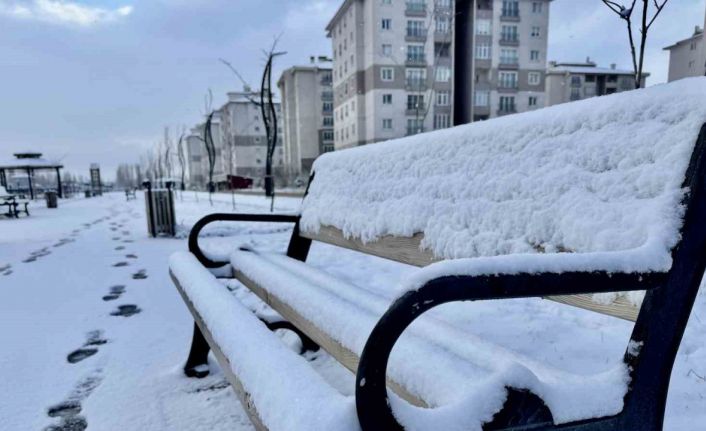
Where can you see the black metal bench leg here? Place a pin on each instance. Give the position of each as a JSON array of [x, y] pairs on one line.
[[197, 363], [308, 345]]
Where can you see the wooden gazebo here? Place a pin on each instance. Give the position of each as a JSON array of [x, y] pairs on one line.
[[29, 163]]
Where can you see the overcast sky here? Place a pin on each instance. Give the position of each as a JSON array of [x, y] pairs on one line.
[[97, 80]]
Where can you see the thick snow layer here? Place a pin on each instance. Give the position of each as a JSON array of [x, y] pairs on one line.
[[462, 370], [599, 175], [287, 392]]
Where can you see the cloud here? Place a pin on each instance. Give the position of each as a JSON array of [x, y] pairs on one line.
[[62, 12]]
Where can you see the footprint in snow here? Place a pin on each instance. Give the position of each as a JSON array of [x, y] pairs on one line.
[[140, 275], [79, 355], [120, 247], [115, 293], [131, 256], [120, 264], [126, 310], [68, 411]]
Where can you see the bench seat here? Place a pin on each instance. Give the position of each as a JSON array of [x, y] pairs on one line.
[[460, 368]]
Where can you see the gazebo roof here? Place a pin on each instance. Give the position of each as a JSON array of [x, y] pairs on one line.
[[29, 160]]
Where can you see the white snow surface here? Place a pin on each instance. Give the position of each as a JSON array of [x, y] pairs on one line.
[[468, 382], [595, 176], [47, 307]]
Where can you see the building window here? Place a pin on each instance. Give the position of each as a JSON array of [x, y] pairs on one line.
[[575, 81], [511, 8], [327, 135], [535, 31], [483, 51], [387, 74], [534, 78], [416, 79], [327, 148], [534, 55], [691, 64], [386, 24], [387, 123], [442, 121], [532, 101], [414, 126], [575, 93], [442, 24], [386, 1], [508, 79], [443, 74], [328, 121], [415, 53], [507, 104], [508, 56], [482, 98], [327, 107], [415, 28], [442, 98], [536, 7], [508, 33], [387, 99], [483, 27], [415, 102], [386, 50], [442, 50]]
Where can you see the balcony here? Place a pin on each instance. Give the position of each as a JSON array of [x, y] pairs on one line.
[[509, 64], [510, 17], [416, 35], [507, 111], [416, 9], [415, 84], [327, 96], [442, 5], [414, 130], [508, 88], [509, 40], [416, 60]]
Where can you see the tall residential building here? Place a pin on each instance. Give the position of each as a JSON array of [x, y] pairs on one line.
[[243, 139], [688, 57], [307, 115], [567, 82], [393, 70]]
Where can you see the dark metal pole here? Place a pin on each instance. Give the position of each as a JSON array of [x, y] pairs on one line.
[[60, 191], [31, 189], [464, 55], [3, 178]]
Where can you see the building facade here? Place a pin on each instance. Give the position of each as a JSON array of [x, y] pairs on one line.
[[687, 57], [567, 82], [307, 116], [393, 68], [243, 139]]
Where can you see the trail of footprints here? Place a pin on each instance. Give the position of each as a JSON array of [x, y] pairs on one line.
[[68, 412]]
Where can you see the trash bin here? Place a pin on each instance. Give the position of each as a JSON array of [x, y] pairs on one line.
[[88, 193], [159, 204], [52, 199]]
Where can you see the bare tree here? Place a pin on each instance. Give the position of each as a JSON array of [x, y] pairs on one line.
[[181, 157], [626, 13]]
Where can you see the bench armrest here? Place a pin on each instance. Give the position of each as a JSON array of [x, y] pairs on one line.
[[530, 275], [196, 229]]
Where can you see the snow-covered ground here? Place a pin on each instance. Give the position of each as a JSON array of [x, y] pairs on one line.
[[65, 272]]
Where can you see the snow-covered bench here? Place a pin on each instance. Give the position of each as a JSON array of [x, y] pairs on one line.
[[598, 204]]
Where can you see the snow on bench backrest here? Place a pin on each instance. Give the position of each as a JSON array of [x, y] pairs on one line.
[[603, 174]]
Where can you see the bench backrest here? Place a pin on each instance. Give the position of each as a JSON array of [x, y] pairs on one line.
[[600, 175]]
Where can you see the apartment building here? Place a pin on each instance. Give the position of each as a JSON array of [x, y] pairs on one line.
[[307, 115], [243, 140], [510, 55], [687, 57], [393, 68], [567, 82]]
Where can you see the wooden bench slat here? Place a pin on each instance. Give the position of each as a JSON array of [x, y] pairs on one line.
[[243, 395], [408, 250], [342, 354]]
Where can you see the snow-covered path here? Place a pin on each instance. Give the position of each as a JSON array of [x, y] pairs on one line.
[[67, 271]]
